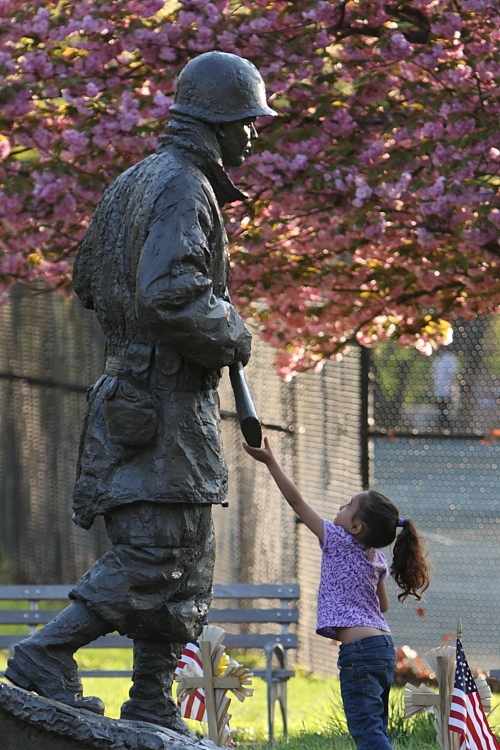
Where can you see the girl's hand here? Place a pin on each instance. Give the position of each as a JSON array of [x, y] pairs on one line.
[[264, 455]]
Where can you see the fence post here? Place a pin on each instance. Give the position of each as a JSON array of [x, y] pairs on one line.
[[364, 416]]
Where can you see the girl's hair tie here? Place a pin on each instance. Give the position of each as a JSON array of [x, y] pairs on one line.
[[401, 521]]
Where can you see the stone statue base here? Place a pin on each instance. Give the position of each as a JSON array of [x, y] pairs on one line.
[[29, 722]]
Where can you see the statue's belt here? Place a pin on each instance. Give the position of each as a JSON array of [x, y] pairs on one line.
[[177, 375]]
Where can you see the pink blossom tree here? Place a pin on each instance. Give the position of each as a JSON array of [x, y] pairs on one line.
[[375, 210]]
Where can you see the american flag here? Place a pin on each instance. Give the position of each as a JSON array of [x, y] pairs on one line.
[[467, 716], [193, 707]]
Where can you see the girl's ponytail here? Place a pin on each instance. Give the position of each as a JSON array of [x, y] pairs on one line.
[[409, 567]]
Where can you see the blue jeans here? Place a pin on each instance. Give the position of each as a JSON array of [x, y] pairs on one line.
[[366, 672]]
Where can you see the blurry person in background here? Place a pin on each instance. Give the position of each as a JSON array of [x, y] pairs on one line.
[[445, 368]]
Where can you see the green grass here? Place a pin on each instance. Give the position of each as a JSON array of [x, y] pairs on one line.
[[315, 715]]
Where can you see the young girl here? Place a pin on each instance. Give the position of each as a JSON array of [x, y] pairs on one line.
[[352, 594]]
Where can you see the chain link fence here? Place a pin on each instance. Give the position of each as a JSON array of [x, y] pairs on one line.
[[434, 429], [437, 456], [51, 350]]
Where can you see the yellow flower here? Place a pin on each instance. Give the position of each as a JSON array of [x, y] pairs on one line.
[[224, 661]]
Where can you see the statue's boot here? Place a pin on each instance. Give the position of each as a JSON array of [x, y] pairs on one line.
[[151, 692], [44, 662]]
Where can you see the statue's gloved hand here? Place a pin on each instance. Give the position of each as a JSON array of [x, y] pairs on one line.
[[243, 348]]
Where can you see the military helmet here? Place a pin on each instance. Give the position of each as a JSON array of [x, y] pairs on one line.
[[220, 87]]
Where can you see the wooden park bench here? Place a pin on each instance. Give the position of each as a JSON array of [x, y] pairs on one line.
[[244, 607]]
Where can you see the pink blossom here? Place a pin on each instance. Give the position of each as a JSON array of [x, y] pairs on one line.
[[363, 191], [167, 54], [458, 75], [378, 176], [5, 148], [128, 112], [53, 271], [161, 106], [432, 129], [186, 18], [394, 191], [399, 46], [298, 162], [75, 141], [6, 62], [200, 4], [261, 24], [92, 89], [461, 127], [447, 25], [425, 238], [494, 217], [10, 263], [203, 41], [40, 23], [424, 346], [64, 207], [476, 5], [342, 122], [48, 188], [442, 154], [10, 205], [429, 58], [145, 8], [88, 24], [322, 12], [226, 41], [213, 14]]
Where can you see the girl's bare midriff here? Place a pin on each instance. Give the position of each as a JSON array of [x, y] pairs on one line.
[[349, 635]]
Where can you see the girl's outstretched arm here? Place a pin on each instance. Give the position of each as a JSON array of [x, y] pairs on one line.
[[305, 512]]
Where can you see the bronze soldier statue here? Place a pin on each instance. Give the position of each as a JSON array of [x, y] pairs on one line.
[[154, 268]]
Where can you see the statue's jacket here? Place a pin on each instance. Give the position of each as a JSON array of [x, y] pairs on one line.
[[154, 268]]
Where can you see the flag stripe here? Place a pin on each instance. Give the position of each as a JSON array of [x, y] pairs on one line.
[[480, 722], [190, 654], [467, 716], [474, 728], [193, 707]]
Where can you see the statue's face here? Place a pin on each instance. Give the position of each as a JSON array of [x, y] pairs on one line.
[[235, 140]]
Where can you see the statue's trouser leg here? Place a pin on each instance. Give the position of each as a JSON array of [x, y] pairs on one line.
[[154, 585], [44, 662], [151, 692]]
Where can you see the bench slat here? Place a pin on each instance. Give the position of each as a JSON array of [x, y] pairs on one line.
[[253, 615], [105, 672], [231, 640], [256, 591], [278, 675], [35, 593], [27, 616], [112, 640], [9, 641], [259, 640], [42, 616], [105, 641], [53, 593], [221, 591]]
